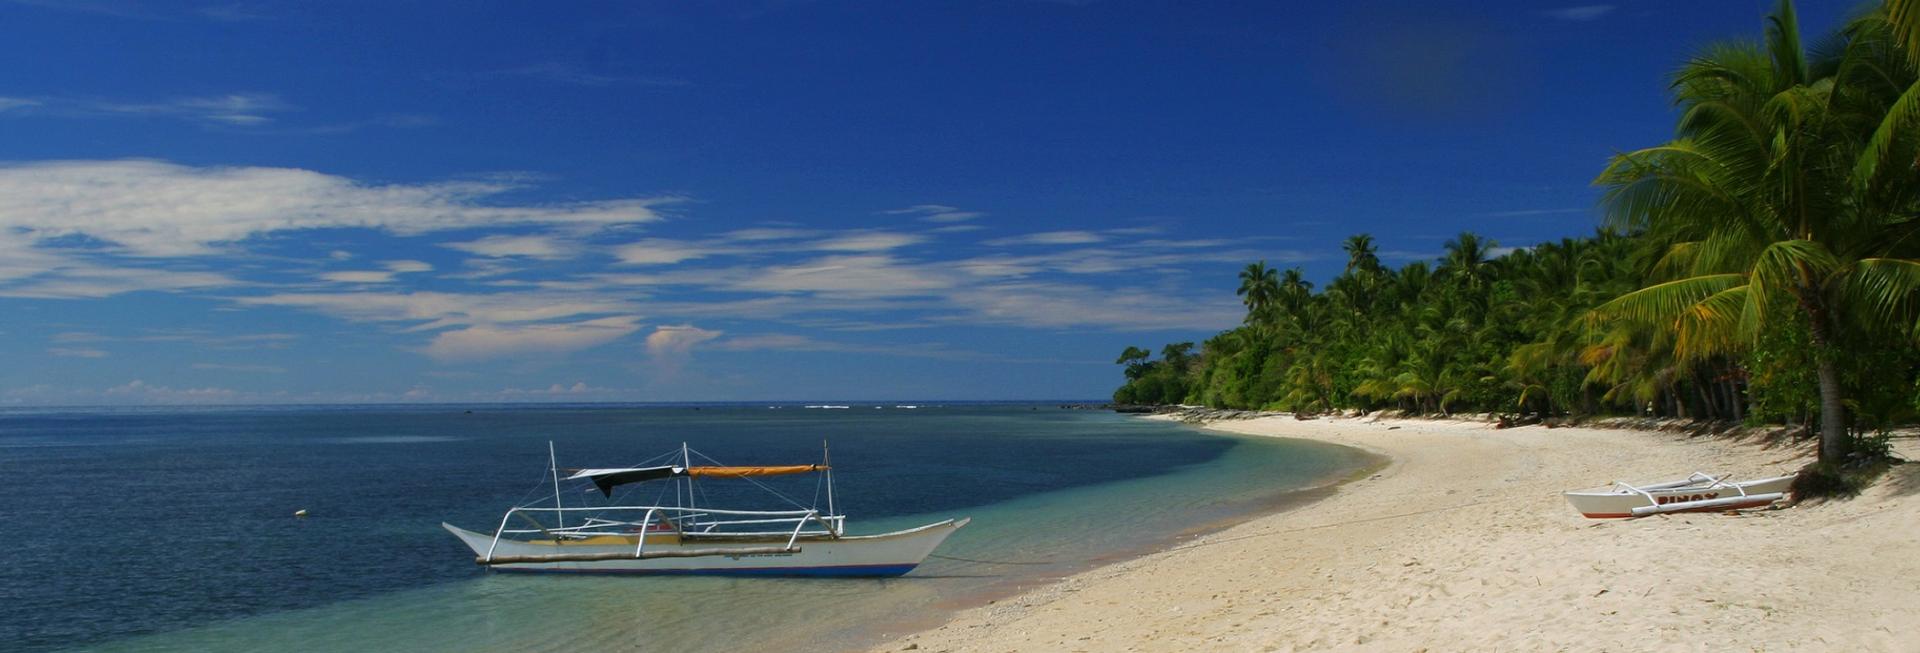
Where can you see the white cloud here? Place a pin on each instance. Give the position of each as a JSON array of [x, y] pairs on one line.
[[538, 247], [393, 269], [489, 341], [863, 275], [196, 337], [936, 213], [567, 73], [668, 341], [439, 310], [76, 352], [159, 209], [1580, 13], [669, 348], [660, 251], [1051, 238], [768, 233], [358, 276], [264, 369], [1035, 304], [230, 110], [868, 242], [138, 391], [40, 275]]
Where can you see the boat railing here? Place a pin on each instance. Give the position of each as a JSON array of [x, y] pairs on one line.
[[670, 516]]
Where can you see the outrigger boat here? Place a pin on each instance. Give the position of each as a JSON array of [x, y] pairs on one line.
[[1695, 493], [683, 538]]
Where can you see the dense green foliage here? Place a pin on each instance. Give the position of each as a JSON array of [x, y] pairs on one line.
[[1760, 266]]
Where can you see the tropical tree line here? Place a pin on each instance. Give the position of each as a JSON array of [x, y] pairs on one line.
[[1760, 266]]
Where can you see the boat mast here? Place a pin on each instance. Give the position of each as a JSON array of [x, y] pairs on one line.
[[686, 462], [826, 458], [553, 465]]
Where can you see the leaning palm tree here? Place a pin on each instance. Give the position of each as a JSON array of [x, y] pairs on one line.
[[1791, 180]]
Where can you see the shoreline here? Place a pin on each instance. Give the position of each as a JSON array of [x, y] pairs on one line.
[[1016, 584], [1462, 542]]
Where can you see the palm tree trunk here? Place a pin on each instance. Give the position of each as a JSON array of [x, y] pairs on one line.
[[1833, 428], [1738, 399], [1833, 410]]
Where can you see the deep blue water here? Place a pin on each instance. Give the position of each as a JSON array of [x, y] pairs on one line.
[[125, 523]]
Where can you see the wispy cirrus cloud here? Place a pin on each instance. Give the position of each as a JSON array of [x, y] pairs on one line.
[[559, 72], [198, 338], [544, 280], [113, 8], [425, 311], [514, 246], [1067, 305], [231, 110], [873, 275], [1580, 13], [158, 209], [252, 368], [662, 251], [1051, 238], [387, 275], [935, 213], [63, 278]]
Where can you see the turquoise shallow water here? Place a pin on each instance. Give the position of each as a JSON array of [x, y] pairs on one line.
[[1050, 491]]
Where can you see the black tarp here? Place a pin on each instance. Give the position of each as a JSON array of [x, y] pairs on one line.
[[607, 479]]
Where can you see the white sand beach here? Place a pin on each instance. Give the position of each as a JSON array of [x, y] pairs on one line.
[[1463, 543]]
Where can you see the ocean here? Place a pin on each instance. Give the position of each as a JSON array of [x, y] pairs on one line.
[[172, 529]]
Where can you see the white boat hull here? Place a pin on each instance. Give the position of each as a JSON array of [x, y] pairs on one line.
[[1618, 502], [888, 554]]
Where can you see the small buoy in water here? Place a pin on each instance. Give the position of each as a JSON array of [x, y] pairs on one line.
[[300, 513]]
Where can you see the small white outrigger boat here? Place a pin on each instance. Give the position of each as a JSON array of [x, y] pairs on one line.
[[685, 539], [1698, 492]]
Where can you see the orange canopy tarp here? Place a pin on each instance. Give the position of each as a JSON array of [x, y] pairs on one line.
[[735, 472]]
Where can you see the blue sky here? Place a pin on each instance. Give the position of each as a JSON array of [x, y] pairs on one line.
[[245, 202]]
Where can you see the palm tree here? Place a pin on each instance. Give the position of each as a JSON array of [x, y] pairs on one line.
[[1362, 256], [1466, 260], [1790, 181], [1295, 290], [1259, 287], [1905, 16]]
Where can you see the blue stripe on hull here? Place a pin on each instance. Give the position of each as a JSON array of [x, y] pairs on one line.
[[848, 571]]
